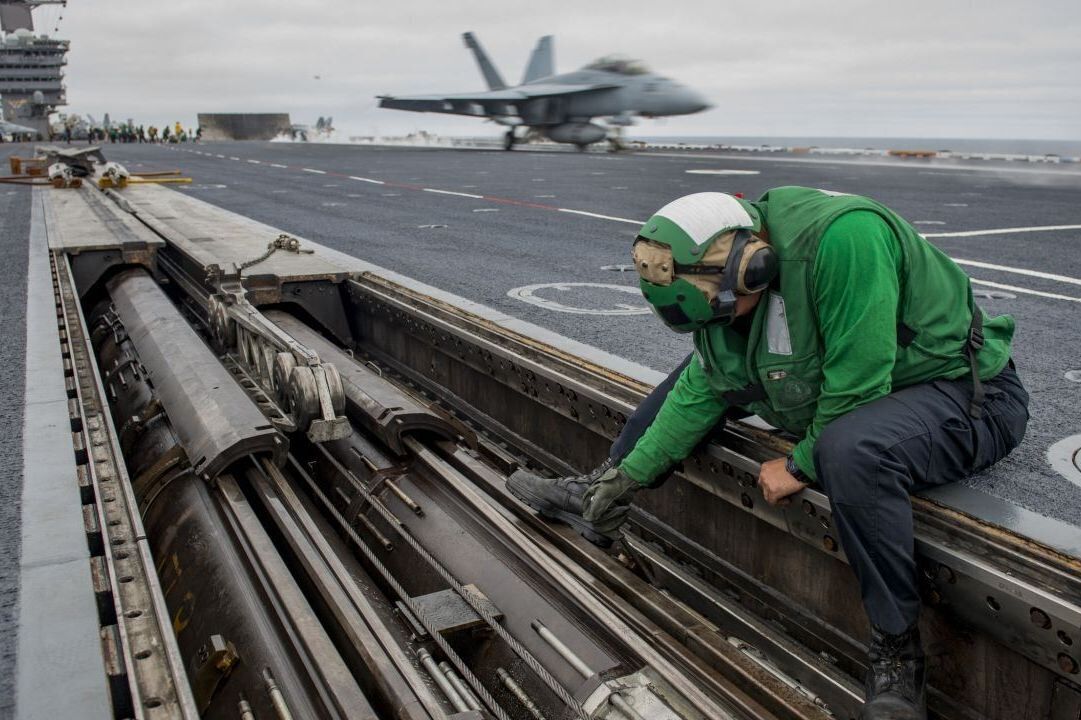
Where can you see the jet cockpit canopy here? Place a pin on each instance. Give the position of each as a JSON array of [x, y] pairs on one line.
[[618, 64]]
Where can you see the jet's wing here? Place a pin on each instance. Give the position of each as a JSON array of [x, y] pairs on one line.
[[481, 104], [10, 127]]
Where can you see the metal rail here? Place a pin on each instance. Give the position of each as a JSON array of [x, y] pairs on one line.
[[150, 670]]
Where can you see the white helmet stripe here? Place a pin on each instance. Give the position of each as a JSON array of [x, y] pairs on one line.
[[703, 215]]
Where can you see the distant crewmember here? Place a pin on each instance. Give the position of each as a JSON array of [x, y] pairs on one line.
[[152, 131], [901, 385], [165, 134]]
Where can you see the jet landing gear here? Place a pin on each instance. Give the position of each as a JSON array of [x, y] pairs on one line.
[[615, 140], [509, 140]]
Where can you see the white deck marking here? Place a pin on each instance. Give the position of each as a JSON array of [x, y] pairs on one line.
[[1019, 271], [256, 162], [603, 217], [278, 165], [313, 170], [452, 192], [220, 156], [1002, 231], [367, 180], [864, 163], [722, 172], [527, 293], [1063, 458], [234, 158], [1026, 291]]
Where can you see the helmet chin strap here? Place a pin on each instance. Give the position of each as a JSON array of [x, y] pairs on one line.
[[724, 303]]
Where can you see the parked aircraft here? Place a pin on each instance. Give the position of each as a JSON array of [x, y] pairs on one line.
[[562, 107], [16, 131]]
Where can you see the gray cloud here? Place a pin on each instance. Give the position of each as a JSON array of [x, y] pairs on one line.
[[945, 68]]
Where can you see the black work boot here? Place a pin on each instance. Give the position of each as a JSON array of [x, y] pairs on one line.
[[896, 681], [561, 499]]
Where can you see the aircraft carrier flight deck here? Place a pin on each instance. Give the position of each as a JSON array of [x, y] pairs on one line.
[[555, 219], [434, 319]]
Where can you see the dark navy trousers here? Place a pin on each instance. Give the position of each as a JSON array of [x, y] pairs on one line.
[[869, 461]]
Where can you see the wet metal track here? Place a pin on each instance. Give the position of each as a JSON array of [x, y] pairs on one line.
[[292, 481]]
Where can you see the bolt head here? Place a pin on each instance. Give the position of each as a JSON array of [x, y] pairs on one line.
[[1067, 664]]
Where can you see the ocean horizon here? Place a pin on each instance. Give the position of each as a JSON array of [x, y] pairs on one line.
[[1018, 146]]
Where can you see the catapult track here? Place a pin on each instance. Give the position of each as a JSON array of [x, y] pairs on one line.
[[342, 545]]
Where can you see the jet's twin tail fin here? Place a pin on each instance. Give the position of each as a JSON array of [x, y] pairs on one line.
[[491, 75], [541, 63]]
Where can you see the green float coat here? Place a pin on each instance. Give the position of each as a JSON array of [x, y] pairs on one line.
[[823, 340]]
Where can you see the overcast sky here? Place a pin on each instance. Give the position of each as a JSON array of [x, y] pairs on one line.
[[920, 68]]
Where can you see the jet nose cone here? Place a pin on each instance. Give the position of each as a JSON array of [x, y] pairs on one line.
[[696, 102]]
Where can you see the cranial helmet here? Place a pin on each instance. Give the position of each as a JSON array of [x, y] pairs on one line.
[[696, 254]]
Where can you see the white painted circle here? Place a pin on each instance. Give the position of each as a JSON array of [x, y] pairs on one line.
[[1065, 458], [528, 294], [722, 172]]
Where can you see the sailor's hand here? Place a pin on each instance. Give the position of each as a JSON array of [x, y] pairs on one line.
[[777, 483], [610, 494]]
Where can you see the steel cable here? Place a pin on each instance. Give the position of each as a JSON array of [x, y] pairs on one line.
[[444, 646], [519, 649]]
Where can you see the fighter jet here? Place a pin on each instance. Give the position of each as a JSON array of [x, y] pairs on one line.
[[17, 131], [562, 107]]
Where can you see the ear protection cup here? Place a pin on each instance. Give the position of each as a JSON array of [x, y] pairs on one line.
[[752, 265], [757, 269]]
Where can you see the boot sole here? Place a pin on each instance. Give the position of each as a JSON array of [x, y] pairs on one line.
[[547, 510]]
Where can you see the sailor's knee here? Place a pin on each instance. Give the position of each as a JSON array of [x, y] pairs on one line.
[[843, 451]]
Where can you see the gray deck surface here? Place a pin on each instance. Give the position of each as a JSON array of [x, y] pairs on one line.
[[514, 235], [14, 234]]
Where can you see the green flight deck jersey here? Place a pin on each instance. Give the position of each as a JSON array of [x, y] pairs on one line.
[[862, 305]]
